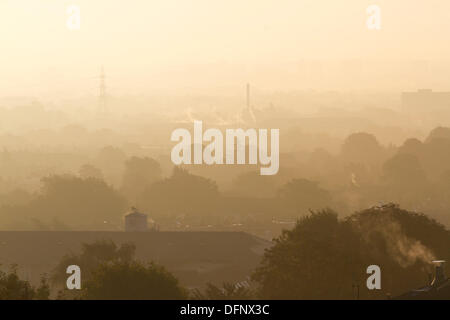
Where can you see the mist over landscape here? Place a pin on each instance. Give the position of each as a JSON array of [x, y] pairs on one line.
[[86, 118]]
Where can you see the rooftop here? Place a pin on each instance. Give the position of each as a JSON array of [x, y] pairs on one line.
[[194, 257]]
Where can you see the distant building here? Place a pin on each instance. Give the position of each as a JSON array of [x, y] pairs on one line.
[[424, 100], [135, 221]]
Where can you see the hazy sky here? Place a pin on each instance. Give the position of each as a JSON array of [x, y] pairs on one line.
[[146, 43]]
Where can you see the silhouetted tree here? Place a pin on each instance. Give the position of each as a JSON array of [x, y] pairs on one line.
[[404, 169], [436, 157], [362, 147], [139, 174], [111, 160], [13, 288], [132, 281], [43, 291], [181, 194], [438, 133], [313, 261], [323, 257], [90, 171], [302, 195], [92, 255], [90, 202], [412, 146]]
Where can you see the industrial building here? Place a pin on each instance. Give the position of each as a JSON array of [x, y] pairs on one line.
[[424, 100]]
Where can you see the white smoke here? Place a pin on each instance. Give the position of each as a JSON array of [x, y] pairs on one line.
[[404, 250]]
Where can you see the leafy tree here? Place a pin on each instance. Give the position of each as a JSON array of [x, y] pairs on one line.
[[362, 147], [90, 171], [43, 291], [307, 262], [404, 169], [436, 156], [111, 160], [139, 174], [412, 146], [323, 257], [181, 194], [302, 195], [404, 181], [13, 288], [91, 257], [89, 203], [134, 281], [438, 133]]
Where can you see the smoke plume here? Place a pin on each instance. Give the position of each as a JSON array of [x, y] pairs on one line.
[[405, 250]]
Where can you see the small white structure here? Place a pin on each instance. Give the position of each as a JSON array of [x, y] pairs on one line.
[[135, 221]]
